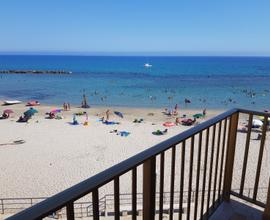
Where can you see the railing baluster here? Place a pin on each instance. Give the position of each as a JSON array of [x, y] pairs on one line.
[[95, 201], [2, 206], [149, 189], [266, 213], [172, 183], [258, 171], [116, 199], [230, 156], [211, 167], [70, 211], [183, 151], [222, 159], [198, 175], [161, 186], [190, 177], [81, 210], [246, 154], [217, 162], [134, 193], [204, 171]]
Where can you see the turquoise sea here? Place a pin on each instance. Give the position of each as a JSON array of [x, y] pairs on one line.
[[209, 82]]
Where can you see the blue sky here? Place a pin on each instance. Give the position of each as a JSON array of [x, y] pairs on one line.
[[166, 27]]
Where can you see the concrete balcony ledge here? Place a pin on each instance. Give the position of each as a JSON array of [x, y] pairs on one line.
[[235, 210]]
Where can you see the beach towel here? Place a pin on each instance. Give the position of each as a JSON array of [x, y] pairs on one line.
[[123, 133], [110, 123]]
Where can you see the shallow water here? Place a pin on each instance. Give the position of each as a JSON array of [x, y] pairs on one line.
[[211, 82]]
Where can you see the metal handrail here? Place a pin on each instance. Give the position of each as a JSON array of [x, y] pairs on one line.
[[106, 198]]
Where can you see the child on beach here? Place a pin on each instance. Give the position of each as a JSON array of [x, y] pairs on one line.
[[177, 121]]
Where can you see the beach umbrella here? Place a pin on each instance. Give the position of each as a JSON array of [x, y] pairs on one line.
[[257, 123], [8, 111], [56, 110], [119, 114], [30, 112], [199, 115]]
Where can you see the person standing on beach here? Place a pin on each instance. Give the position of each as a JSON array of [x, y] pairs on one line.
[[107, 114], [176, 109], [204, 112], [64, 106], [68, 106]]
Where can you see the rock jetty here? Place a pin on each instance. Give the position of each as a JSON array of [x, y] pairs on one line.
[[35, 72]]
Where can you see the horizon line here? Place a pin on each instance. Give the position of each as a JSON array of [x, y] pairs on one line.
[[135, 54]]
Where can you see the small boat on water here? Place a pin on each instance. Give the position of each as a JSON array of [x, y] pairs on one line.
[[11, 102], [147, 65]]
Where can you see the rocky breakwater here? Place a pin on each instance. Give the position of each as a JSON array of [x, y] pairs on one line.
[[35, 72]]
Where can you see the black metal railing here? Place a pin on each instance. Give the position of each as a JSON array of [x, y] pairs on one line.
[[200, 160]]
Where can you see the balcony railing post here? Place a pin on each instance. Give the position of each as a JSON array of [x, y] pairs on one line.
[[149, 189], [70, 211], [230, 156], [266, 213]]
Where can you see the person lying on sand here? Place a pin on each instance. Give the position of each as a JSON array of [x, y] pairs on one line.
[[4, 116], [121, 133], [159, 132]]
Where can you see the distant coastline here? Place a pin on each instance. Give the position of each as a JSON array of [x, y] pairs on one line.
[[35, 72]]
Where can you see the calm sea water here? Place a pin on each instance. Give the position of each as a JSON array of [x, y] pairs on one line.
[[211, 82]]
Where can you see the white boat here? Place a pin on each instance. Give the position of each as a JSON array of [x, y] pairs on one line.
[[147, 65], [11, 102]]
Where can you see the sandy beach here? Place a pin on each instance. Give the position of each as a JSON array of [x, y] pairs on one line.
[[57, 155]]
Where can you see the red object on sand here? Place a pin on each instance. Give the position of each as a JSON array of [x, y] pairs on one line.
[[168, 124], [33, 103]]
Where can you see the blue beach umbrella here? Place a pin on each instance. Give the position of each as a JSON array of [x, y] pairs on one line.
[[119, 114], [30, 112]]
